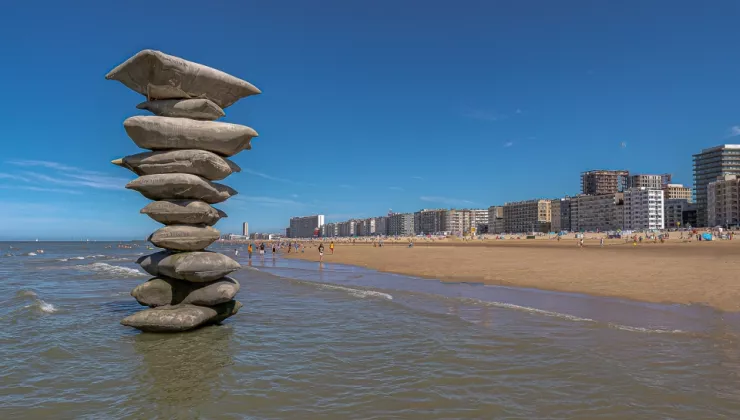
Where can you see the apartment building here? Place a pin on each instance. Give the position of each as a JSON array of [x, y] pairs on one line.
[[600, 182], [457, 222], [381, 225], [723, 201], [428, 221], [653, 182], [596, 212], [710, 164], [330, 230], [676, 192], [527, 216], [245, 229], [643, 209], [674, 211], [347, 228], [305, 226], [560, 220], [401, 224], [496, 219], [479, 220]]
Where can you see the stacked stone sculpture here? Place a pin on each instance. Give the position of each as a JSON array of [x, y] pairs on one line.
[[188, 150]]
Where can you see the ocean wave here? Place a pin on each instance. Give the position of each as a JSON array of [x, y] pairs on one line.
[[355, 292], [104, 268], [30, 254], [26, 293], [42, 306], [572, 317]]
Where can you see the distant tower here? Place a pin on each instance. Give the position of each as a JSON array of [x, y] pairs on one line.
[[245, 229]]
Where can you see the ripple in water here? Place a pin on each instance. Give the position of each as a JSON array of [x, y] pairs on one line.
[[115, 270]]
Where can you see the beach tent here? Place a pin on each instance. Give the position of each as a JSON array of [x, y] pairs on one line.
[[706, 236]]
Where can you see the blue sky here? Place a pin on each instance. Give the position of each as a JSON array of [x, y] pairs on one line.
[[366, 106]]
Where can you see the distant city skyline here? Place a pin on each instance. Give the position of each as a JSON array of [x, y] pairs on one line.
[[423, 105]]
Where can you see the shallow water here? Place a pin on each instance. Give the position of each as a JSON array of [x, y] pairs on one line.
[[343, 342]]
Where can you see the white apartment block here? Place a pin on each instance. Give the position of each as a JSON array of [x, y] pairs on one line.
[[479, 220], [457, 221], [381, 225], [528, 216], [496, 222], [643, 209], [723, 201], [304, 227], [590, 213], [348, 228], [330, 230]]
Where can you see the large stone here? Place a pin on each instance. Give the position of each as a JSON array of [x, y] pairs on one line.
[[184, 237], [162, 133], [197, 267], [183, 317], [161, 291], [197, 109], [186, 212], [180, 186], [157, 75], [188, 161]]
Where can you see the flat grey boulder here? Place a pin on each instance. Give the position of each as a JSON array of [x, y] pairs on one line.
[[188, 161], [163, 133], [184, 237], [196, 267], [183, 317], [197, 109], [186, 212], [157, 75], [180, 186], [161, 291]]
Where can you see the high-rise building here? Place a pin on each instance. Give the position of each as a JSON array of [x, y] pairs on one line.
[[348, 228], [596, 212], [330, 230], [479, 220], [674, 210], [305, 226], [600, 182], [676, 192], [643, 209], [560, 209], [401, 224], [457, 221], [381, 225], [427, 221], [653, 182], [723, 201], [711, 163], [245, 229], [496, 222], [527, 216]]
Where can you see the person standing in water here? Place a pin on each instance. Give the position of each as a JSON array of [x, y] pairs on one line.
[[274, 249], [321, 252], [249, 250]]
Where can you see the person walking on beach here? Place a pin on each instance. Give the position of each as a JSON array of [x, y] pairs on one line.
[[321, 252], [331, 247], [602, 242], [274, 249], [249, 251], [262, 250]]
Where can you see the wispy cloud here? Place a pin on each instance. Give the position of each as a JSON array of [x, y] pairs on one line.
[[418, 177], [484, 115], [346, 186], [734, 131], [39, 189], [103, 182], [508, 144], [13, 177], [275, 178], [446, 200], [395, 188], [50, 165]]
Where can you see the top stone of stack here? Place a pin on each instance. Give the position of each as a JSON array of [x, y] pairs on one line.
[[157, 75]]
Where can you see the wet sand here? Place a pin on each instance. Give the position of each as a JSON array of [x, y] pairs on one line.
[[674, 272]]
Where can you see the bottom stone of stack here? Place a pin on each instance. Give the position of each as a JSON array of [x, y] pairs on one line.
[[182, 317], [162, 291]]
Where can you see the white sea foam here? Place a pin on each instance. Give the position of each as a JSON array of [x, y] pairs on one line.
[[31, 254], [100, 267], [42, 306], [63, 259], [575, 318], [357, 292]]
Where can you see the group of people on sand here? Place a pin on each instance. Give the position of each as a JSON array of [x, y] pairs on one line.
[[293, 246]]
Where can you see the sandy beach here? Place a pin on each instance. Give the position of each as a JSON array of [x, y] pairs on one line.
[[673, 272]]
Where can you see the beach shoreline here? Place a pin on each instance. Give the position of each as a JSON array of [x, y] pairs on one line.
[[674, 272]]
